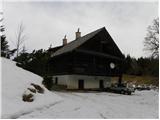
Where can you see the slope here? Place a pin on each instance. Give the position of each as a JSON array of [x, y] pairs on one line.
[[15, 82]]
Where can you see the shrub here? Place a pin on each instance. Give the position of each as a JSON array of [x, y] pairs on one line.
[[27, 97], [19, 64], [32, 90], [38, 88], [48, 82]]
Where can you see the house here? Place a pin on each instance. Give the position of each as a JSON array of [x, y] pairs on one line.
[[88, 62]]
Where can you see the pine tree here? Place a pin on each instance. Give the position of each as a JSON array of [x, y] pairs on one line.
[[4, 47], [4, 43], [5, 51]]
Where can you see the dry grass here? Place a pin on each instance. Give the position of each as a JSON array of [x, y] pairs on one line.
[[138, 79]]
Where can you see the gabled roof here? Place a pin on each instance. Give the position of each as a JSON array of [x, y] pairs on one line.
[[76, 43]]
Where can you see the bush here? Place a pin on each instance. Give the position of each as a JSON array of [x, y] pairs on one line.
[[27, 97], [32, 90], [19, 64], [48, 82], [38, 88]]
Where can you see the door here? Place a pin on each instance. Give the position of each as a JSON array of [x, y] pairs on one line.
[[56, 80], [101, 84], [81, 84]]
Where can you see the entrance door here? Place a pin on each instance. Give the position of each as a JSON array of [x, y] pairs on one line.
[[81, 84], [56, 80], [101, 85]]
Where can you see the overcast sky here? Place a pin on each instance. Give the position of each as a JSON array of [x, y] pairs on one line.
[[47, 22]]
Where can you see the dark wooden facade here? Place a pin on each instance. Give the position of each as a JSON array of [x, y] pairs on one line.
[[90, 57]]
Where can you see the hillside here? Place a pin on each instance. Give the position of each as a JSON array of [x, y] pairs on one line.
[[15, 82]]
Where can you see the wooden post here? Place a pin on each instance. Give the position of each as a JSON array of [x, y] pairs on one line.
[[94, 64], [120, 80]]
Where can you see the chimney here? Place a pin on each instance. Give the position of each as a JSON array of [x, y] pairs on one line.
[[78, 34], [64, 41]]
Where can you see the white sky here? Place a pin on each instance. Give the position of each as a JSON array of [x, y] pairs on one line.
[[47, 22]]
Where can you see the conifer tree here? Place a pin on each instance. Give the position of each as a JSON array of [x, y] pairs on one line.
[[4, 42]]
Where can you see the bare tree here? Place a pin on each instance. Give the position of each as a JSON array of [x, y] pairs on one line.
[[151, 42], [20, 38], [23, 49]]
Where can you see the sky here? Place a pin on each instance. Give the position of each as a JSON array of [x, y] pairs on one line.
[[46, 22]]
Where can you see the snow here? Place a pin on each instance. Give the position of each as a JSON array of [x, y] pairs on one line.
[[142, 104], [15, 82]]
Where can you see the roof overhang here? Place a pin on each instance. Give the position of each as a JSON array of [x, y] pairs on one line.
[[99, 54]]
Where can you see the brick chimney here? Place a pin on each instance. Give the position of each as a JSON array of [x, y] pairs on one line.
[[78, 34], [64, 41]]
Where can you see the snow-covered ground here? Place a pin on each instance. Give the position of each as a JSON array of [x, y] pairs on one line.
[[15, 80], [142, 104]]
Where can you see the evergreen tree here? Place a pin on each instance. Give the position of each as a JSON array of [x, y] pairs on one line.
[[4, 47], [5, 52], [35, 62], [4, 43]]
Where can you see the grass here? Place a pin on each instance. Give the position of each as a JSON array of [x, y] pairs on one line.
[[148, 80]]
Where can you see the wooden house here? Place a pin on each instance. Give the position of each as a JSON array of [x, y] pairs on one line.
[[88, 62]]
